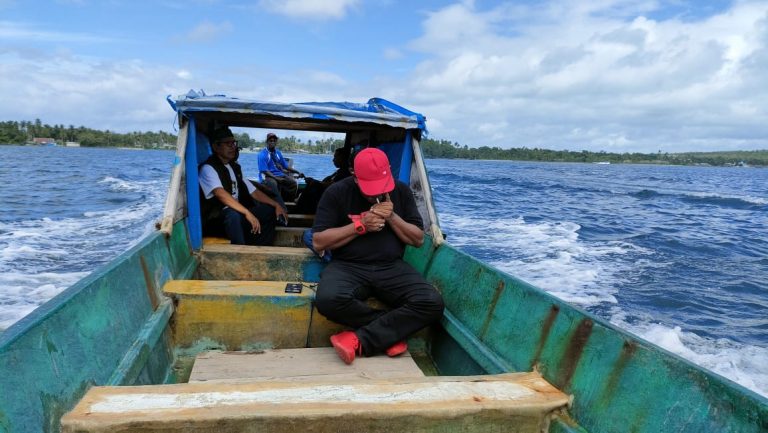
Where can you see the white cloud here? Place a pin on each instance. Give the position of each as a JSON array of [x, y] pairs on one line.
[[392, 53], [121, 96], [310, 9], [11, 31], [208, 31], [543, 71], [562, 74]]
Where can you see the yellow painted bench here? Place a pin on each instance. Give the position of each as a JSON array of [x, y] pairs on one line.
[[244, 262], [516, 403], [246, 315]]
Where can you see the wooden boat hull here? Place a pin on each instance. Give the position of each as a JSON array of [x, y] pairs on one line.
[[112, 328], [118, 327]]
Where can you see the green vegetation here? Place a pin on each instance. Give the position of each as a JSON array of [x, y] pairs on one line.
[[12, 132], [292, 144], [450, 150]]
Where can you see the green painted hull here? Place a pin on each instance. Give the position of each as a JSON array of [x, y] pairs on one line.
[[109, 328], [113, 328], [619, 382]]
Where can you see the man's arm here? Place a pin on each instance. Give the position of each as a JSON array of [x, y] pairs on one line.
[[227, 200], [331, 239], [258, 195], [409, 233], [285, 168]]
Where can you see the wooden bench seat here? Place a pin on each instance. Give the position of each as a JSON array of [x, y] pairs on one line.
[[298, 365], [244, 262], [246, 315], [518, 402]]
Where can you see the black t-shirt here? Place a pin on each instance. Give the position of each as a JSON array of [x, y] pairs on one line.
[[344, 198]]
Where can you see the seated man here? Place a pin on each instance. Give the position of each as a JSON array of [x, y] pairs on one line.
[[310, 197], [275, 172], [366, 220], [231, 205]]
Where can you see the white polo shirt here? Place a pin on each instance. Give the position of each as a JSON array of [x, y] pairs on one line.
[[209, 180]]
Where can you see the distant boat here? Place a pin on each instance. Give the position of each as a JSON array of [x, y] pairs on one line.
[[602, 162]]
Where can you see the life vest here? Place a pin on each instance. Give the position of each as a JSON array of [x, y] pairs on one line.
[[211, 208]]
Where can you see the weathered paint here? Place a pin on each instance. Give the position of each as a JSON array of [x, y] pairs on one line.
[[509, 403], [246, 318], [246, 315], [240, 262], [49, 358], [619, 382]]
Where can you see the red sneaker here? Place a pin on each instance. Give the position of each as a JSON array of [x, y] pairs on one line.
[[347, 346], [397, 349]]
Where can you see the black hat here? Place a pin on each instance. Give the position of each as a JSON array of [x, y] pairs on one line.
[[221, 133]]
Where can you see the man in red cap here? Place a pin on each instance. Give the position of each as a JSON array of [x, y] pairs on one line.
[[366, 221]]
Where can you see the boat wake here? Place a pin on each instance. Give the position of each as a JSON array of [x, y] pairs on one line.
[[39, 258], [553, 257]]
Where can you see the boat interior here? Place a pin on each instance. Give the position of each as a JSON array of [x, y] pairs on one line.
[[244, 324], [186, 333]]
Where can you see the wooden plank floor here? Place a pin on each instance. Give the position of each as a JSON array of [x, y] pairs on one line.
[[317, 363]]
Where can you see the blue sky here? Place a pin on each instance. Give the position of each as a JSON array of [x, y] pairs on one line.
[[612, 75]]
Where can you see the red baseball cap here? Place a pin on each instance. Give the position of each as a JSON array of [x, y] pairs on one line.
[[374, 176]]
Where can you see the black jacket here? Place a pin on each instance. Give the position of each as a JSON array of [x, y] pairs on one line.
[[211, 208]]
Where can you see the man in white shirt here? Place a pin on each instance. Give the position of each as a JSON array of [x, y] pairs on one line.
[[231, 205]]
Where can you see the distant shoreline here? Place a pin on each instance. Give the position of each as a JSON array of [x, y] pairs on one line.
[[746, 154]]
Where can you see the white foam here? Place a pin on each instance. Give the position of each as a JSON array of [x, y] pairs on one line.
[[22, 293], [551, 256], [742, 363], [548, 255], [41, 257]]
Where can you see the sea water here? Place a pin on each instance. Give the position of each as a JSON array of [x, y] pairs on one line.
[[675, 255]]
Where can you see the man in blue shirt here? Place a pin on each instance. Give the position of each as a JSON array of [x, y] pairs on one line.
[[275, 172]]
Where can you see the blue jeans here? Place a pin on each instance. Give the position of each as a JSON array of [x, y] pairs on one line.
[[284, 187], [238, 229]]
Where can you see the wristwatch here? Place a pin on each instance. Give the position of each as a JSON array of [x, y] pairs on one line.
[[357, 220]]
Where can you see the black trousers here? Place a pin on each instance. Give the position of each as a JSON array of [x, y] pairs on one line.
[[233, 225], [414, 303]]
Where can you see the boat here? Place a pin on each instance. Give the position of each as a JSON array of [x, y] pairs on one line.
[[183, 332]]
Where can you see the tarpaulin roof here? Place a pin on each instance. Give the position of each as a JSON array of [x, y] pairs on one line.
[[376, 110]]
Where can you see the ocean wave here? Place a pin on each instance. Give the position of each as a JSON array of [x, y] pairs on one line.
[[702, 198], [23, 292], [548, 255], [121, 185], [742, 363]]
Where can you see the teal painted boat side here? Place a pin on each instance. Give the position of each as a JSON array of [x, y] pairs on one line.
[[620, 383], [110, 327]]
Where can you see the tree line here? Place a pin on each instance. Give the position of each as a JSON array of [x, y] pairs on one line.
[[21, 132], [450, 150], [13, 132]]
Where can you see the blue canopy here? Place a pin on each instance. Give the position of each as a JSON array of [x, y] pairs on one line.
[[376, 110]]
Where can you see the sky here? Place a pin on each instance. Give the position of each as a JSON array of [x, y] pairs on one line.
[[598, 75]]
